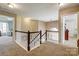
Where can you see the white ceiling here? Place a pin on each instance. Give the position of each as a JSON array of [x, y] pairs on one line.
[[37, 11]]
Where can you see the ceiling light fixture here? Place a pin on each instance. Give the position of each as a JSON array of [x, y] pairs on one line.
[[10, 5], [61, 4]]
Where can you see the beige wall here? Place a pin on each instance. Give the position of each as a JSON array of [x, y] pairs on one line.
[[25, 24], [41, 26], [53, 24], [30, 25], [18, 22]]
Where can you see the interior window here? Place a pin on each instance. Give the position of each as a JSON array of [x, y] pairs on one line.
[[4, 29]]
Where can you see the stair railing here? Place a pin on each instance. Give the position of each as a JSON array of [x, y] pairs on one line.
[[50, 31], [28, 36], [34, 39], [39, 34]]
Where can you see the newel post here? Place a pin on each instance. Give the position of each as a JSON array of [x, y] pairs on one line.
[[78, 45], [46, 35], [40, 36], [28, 47]]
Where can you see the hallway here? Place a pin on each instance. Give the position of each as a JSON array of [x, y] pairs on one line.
[[46, 49], [36, 23]]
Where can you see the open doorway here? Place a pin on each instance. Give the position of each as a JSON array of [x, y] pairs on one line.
[[69, 30], [6, 29]]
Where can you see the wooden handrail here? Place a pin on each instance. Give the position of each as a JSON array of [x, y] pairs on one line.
[[35, 32], [27, 32], [20, 31], [51, 31], [39, 34]]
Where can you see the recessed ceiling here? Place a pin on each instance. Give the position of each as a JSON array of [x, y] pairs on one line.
[[36, 11]]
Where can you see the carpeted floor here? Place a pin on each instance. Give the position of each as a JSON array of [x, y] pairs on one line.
[[51, 49], [45, 49]]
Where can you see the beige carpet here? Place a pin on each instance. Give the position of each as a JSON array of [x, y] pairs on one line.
[[51, 49], [46, 49]]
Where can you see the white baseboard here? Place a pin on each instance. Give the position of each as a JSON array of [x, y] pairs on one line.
[[21, 46], [34, 47], [25, 48]]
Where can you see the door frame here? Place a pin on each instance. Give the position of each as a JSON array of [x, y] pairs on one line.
[[65, 11], [11, 15], [61, 24]]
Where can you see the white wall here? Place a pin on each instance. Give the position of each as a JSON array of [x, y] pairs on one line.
[[53, 36]]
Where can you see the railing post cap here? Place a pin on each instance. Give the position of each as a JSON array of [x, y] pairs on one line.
[[28, 31], [40, 30]]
